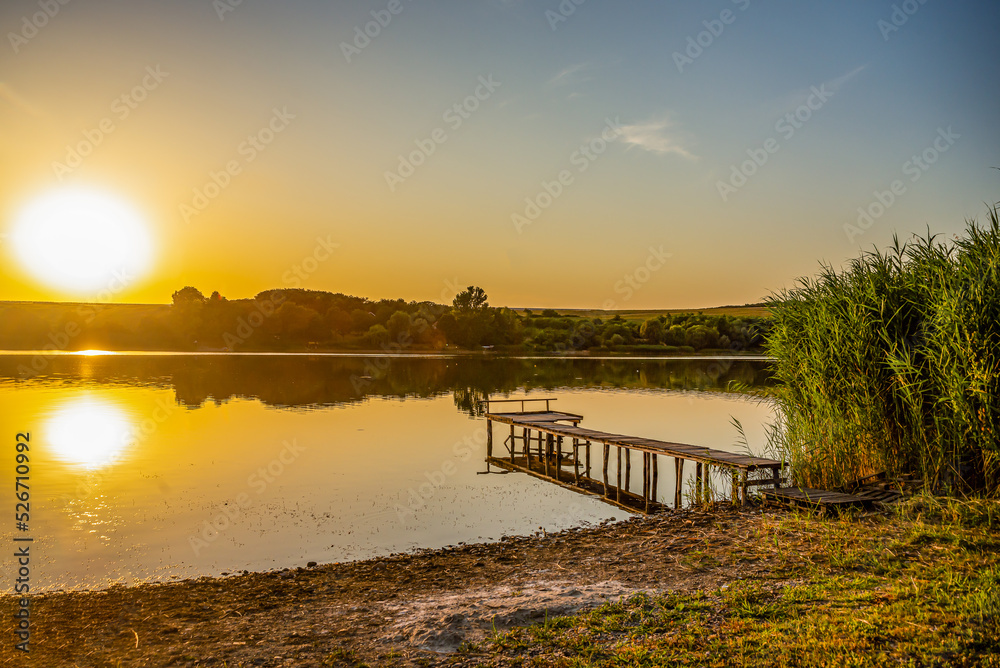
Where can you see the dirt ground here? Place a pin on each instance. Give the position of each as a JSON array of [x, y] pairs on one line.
[[410, 609]]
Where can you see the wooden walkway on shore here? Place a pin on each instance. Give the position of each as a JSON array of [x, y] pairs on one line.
[[543, 453]]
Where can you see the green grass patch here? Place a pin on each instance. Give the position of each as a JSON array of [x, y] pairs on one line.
[[907, 588]]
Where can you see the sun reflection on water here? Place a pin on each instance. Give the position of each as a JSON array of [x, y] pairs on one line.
[[89, 432]]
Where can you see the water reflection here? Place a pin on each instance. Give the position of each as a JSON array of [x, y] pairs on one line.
[[88, 432], [135, 454], [314, 382]]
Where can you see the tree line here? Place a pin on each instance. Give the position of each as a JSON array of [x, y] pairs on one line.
[[299, 320]]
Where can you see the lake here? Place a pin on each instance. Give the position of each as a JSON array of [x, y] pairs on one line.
[[153, 467]]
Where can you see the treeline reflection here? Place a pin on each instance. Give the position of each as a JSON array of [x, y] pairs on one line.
[[306, 382]]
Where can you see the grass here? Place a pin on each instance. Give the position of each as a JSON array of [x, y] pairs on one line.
[[916, 587], [894, 365]]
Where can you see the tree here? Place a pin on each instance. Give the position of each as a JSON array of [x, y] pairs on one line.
[[701, 336], [361, 320], [338, 320], [293, 323], [187, 322], [399, 327], [652, 330], [378, 336], [472, 299], [675, 336], [188, 295]]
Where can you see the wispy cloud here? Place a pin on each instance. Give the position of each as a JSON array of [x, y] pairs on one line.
[[797, 98], [11, 96], [569, 75], [656, 136]]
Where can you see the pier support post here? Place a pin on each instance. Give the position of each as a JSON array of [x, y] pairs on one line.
[[489, 438], [645, 479], [607, 456], [679, 470], [559, 444], [698, 483], [588, 459], [576, 461], [548, 449], [618, 488], [652, 492], [628, 468]]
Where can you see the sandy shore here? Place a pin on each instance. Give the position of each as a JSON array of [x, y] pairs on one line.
[[412, 609]]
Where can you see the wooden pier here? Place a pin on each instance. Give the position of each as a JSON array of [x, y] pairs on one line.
[[552, 446]]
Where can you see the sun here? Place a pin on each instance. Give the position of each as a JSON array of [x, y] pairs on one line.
[[83, 241]]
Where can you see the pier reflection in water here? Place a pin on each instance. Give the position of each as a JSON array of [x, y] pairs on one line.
[[152, 467]]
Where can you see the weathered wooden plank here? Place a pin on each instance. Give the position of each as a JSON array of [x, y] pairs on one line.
[[812, 496]]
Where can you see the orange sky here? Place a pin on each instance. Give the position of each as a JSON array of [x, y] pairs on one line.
[[635, 147]]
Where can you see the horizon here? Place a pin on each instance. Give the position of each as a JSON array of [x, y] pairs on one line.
[[377, 299]]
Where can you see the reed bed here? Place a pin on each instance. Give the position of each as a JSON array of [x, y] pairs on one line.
[[893, 365]]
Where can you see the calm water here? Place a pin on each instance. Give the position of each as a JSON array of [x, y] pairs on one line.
[[153, 467]]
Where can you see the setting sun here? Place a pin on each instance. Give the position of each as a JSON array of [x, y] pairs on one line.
[[82, 241]]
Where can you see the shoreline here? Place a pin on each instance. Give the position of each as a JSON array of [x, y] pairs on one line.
[[422, 606], [751, 357], [699, 586]]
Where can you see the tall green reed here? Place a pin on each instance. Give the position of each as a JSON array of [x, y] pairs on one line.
[[893, 364]]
